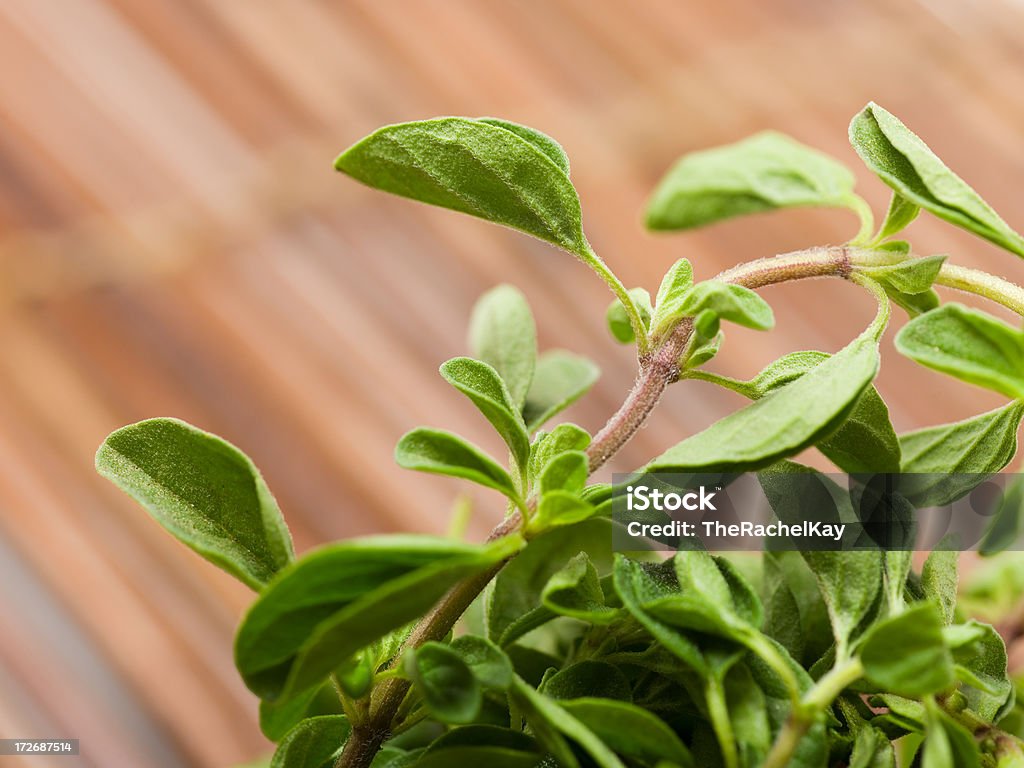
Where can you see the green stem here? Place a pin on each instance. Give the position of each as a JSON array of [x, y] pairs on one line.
[[596, 263], [810, 709], [860, 206], [718, 711], [771, 656]]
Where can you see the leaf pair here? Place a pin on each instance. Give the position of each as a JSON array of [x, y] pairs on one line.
[[452, 677]]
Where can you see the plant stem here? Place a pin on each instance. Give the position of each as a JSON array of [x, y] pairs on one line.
[[810, 709], [718, 711], [658, 369]]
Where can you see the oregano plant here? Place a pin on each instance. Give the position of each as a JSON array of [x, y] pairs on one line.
[[542, 646]]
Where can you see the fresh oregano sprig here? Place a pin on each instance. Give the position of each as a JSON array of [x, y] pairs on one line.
[[586, 657]]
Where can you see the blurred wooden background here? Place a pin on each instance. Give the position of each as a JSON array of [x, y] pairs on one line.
[[173, 241]]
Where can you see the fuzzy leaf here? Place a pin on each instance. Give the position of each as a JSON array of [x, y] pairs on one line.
[[618, 319], [559, 508], [970, 345], [947, 743], [764, 172], [314, 743], [866, 441], [518, 587], [541, 141], [630, 730], [939, 579], [442, 453], [560, 380], [940, 464], [476, 168], [906, 654], [904, 162], [782, 423], [336, 600], [910, 276], [675, 285], [450, 689], [576, 591], [489, 663], [204, 491], [981, 664], [548, 445], [503, 335], [482, 384], [539, 708], [900, 214], [565, 472], [872, 749], [730, 302]]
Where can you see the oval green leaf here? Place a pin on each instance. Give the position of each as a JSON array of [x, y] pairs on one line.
[[765, 172], [475, 167], [782, 423], [204, 491], [967, 344], [502, 334], [904, 162], [442, 453], [336, 600]]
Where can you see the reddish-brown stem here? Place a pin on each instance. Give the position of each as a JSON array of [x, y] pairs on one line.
[[658, 369]]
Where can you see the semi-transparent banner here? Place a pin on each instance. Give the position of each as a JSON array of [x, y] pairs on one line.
[[806, 510]]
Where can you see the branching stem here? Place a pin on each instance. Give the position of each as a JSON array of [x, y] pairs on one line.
[[659, 368]]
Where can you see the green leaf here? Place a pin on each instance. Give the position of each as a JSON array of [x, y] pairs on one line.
[[702, 353], [618, 320], [340, 598], [588, 678], [730, 302], [559, 508], [518, 586], [849, 583], [576, 591], [939, 579], [947, 743], [314, 743], [482, 384], [630, 730], [560, 380], [904, 162], [541, 141], [442, 453], [782, 423], [910, 276], [565, 472], [450, 689], [475, 756], [277, 719], [872, 749], [1007, 522], [488, 662], [901, 212], [981, 664], [970, 345], [563, 438], [706, 601], [204, 491], [866, 441], [538, 707], [476, 168], [764, 172], [503, 335], [675, 285], [906, 654], [941, 464]]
